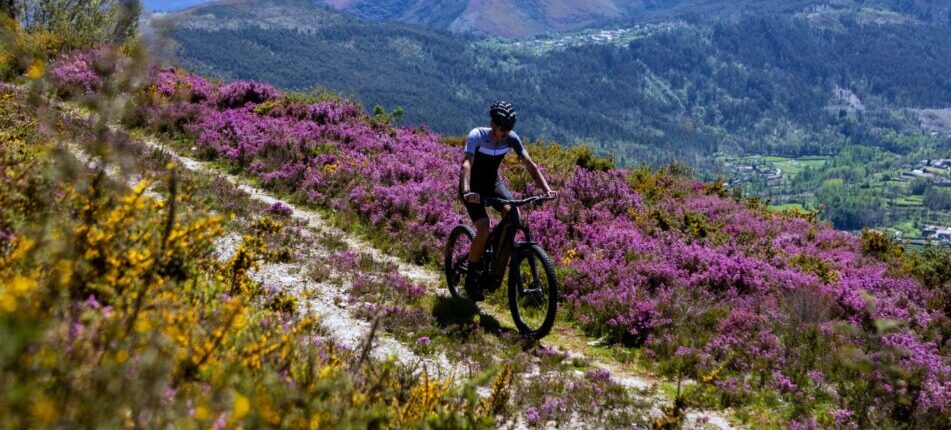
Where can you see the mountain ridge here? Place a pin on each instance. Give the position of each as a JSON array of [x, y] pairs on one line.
[[700, 93], [524, 18]]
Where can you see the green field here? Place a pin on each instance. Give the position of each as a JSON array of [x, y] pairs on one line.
[[788, 207], [792, 167], [909, 201], [789, 166]]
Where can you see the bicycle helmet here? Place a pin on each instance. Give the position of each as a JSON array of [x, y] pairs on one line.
[[503, 114]]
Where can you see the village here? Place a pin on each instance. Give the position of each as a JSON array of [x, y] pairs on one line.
[[938, 171], [774, 176], [620, 36]]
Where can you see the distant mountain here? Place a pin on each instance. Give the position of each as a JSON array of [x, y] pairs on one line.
[[829, 84], [739, 84], [521, 18], [170, 5]]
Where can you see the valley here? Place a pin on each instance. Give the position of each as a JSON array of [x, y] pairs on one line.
[[772, 85], [257, 231]]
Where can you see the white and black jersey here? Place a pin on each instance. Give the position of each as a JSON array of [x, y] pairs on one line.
[[488, 155]]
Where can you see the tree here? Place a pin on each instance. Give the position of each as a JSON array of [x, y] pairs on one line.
[[8, 7], [81, 23]]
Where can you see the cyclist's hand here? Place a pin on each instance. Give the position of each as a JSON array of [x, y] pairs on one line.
[[472, 197]]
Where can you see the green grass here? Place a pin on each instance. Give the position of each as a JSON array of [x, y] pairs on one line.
[[906, 230], [789, 166], [792, 166], [909, 201], [787, 207]]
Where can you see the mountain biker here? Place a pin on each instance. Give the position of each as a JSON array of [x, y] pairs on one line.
[[484, 151]]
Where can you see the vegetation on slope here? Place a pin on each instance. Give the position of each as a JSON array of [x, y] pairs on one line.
[[115, 312], [526, 18], [754, 85], [758, 84], [761, 309]]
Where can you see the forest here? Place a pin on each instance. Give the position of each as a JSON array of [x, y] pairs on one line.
[[772, 84], [757, 84]]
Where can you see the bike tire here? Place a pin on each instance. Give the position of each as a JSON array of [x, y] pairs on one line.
[[454, 277], [518, 295]]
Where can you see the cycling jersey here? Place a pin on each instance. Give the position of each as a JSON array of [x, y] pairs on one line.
[[488, 155], [484, 174]]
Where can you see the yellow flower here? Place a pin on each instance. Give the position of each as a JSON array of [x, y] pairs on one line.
[[44, 411], [569, 257], [143, 326], [240, 320], [327, 371], [19, 287], [35, 71], [8, 303], [22, 285], [201, 413], [241, 406]]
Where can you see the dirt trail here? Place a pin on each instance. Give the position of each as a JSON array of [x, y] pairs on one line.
[[353, 331], [350, 330]]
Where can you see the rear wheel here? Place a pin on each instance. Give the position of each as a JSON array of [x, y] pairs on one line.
[[533, 291], [456, 260]]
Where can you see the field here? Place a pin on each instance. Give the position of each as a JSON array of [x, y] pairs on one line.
[[804, 183]]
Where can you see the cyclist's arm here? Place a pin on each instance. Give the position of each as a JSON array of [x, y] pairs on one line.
[[534, 171], [466, 171]]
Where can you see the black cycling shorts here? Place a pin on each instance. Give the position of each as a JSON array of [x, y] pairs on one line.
[[476, 210]]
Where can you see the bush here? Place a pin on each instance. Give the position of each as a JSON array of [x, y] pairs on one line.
[[114, 312], [239, 94]]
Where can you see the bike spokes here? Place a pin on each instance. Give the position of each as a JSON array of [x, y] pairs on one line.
[[533, 298], [456, 260]]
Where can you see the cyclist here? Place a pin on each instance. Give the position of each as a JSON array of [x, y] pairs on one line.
[[485, 149]]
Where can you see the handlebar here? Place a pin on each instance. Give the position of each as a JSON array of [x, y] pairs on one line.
[[515, 203]]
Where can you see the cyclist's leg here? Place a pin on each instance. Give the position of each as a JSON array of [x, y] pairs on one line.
[[479, 242], [480, 219], [474, 272], [502, 192]]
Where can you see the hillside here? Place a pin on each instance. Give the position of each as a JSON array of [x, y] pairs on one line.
[[753, 306], [709, 94], [183, 252], [170, 5], [519, 19], [744, 85]]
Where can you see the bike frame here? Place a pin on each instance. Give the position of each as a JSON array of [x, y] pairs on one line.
[[503, 252], [502, 243]]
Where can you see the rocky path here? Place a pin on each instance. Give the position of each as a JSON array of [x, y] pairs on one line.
[[338, 318], [351, 331]]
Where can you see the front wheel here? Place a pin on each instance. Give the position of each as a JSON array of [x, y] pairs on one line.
[[533, 291], [456, 258]]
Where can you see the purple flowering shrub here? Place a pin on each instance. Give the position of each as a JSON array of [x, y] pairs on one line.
[[280, 209], [81, 72], [711, 286], [241, 93], [177, 85]]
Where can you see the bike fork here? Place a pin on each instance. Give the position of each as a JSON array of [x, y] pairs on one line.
[[517, 273]]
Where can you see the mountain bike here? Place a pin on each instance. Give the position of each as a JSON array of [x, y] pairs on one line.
[[533, 287]]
